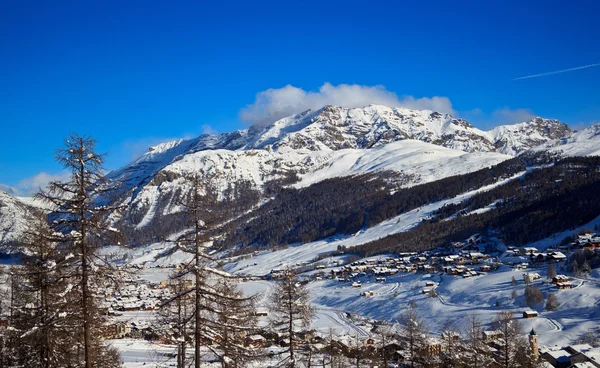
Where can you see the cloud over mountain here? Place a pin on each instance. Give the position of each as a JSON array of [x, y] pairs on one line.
[[276, 103]]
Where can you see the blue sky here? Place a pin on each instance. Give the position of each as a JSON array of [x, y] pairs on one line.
[[136, 73]]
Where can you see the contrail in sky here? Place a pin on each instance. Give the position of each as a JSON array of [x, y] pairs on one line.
[[558, 71]]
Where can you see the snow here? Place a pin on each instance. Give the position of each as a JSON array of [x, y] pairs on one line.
[[582, 143], [316, 145], [426, 161], [263, 263]]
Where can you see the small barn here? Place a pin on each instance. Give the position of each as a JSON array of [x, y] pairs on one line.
[[530, 314]]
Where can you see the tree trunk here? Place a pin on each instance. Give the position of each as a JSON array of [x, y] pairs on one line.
[[85, 296], [291, 325], [197, 334]]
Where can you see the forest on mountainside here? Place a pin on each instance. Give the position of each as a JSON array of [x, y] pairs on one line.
[[544, 201], [346, 205]]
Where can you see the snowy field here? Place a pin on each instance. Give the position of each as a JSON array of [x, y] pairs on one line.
[[342, 310]]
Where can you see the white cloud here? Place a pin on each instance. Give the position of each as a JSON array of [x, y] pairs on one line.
[[30, 186], [8, 189], [276, 103], [507, 115], [207, 129]]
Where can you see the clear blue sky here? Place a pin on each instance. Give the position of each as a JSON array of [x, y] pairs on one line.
[[131, 73]]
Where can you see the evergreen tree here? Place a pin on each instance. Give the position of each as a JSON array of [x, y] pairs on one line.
[[290, 303], [81, 204], [552, 302], [551, 273]]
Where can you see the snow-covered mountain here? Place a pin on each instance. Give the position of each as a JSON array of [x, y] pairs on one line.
[[329, 142], [14, 214], [420, 145], [581, 143], [333, 128]]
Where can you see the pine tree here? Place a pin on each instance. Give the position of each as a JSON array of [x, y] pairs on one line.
[[290, 303], [80, 206], [533, 295], [173, 320], [514, 344], [42, 311], [551, 271], [414, 329], [210, 318], [235, 318], [477, 352], [552, 302]]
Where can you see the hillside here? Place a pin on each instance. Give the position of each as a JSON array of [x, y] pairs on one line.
[[306, 148]]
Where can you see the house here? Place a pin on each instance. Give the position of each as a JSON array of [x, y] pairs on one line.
[[260, 313], [356, 284], [430, 283], [558, 358], [492, 335], [559, 279], [256, 341], [528, 250], [564, 285], [531, 276], [556, 256], [530, 314], [451, 336]]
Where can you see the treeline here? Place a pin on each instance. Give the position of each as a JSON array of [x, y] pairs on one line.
[[235, 200], [541, 203], [346, 205]]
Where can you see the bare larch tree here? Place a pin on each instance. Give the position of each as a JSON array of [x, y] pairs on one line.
[[290, 303], [81, 204]]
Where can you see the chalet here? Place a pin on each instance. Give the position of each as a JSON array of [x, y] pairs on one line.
[[256, 341], [574, 356], [261, 313], [531, 276], [426, 291], [530, 314], [115, 331], [451, 336], [356, 284], [485, 268], [559, 279], [367, 293], [528, 250], [556, 257], [557, 358], [492, 335], [477, 255], [564, 285], [430, 283], [380, 279], [469, 273], [588, 241]]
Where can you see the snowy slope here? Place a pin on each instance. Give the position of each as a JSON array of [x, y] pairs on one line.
[[424, 162], [421, 161], [329, 142], [512, 139], [333, 128], [13, 220], [583, 143]]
